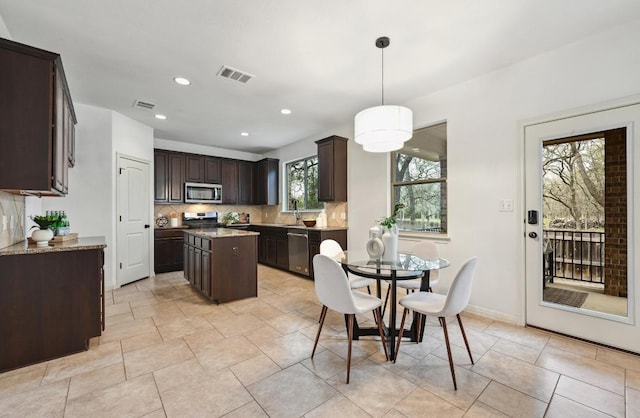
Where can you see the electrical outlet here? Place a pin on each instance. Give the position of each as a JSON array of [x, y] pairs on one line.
[[333, 215], [4, 222], [343, 216]]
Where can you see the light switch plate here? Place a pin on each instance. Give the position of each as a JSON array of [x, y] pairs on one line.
[[506, 205]]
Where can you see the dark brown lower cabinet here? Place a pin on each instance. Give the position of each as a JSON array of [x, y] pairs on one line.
[[273, 245], [51, 304], [168, 254], [316, 237], [223, 269]]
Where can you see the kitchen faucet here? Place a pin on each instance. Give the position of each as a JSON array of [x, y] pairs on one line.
[[294, 202]]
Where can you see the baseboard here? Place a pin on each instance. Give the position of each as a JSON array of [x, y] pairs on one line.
[[491, 314]]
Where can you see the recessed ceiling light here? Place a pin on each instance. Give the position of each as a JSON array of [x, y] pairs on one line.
[[244, 133], [161, 117], [182, 81], [285, 111]]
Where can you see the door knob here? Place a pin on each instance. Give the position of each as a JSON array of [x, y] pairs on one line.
[[533, 235], [147, 226]]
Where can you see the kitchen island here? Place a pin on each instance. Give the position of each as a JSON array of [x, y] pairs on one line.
[[222, 263], [52, 300]]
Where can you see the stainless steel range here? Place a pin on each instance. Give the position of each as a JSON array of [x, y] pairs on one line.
[[200, 220]]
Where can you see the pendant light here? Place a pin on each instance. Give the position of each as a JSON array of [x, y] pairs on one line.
[[383, 128]]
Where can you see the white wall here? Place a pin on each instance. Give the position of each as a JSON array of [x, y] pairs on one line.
[[91, 202], [88, 204], [4, 32], [484, 155]]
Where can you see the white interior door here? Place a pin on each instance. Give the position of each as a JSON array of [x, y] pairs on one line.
[[619, 330], [133, 228]]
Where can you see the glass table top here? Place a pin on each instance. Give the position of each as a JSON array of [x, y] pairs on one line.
[[403, 262]]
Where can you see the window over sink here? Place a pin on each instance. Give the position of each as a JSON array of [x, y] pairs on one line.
[[302, 184], [419, 181]]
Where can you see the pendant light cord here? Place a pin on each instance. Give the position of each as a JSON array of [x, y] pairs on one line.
[[382, 82]]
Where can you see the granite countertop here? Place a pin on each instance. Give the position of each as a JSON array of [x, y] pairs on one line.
[[220, 233], [301, 226], [80, 244], [160, 228]]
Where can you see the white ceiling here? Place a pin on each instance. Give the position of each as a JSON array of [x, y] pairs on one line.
[[316, 58]]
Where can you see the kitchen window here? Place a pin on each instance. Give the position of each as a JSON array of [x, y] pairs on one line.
[[302, 184], [419, 181]]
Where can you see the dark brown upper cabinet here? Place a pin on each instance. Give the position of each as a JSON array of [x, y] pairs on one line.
[[194, 168], [266, 182], [212, 170], [37, 121], [229, 181], [245, 183], [169, 170], [332, 169]]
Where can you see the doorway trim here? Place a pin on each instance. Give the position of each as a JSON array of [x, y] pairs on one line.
[[119, 156], [633, 192]]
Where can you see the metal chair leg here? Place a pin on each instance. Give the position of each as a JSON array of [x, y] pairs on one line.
[[404, 316], [443, 322], [369, 289], [386, 299], [323, 314], [377, 313], [464, 335], [350, 331]]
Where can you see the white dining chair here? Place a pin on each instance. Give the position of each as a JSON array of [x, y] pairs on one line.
[[331, 248], [426, 250], [441, 306], [334, 292]]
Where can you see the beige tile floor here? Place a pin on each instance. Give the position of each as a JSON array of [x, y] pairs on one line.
[[168, 352]]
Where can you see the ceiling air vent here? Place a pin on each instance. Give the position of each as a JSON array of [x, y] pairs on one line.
[[143, 105], [232, 73]]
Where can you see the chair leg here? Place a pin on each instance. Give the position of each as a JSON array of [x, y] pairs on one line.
[[369, 289], [377, 313], [350, 331], [404, 317], [464, 335], [386, 299], [323, 314], [419, 332], [443, 322]]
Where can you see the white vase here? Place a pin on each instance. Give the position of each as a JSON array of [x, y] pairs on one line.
[[41, 237], [390, 242]]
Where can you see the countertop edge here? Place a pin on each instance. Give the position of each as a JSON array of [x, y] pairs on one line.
[[81, 244]]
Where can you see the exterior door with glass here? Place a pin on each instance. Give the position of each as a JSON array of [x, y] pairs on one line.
[[580, 185]]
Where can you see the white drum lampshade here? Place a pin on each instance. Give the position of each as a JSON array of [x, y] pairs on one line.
[[383, 128]]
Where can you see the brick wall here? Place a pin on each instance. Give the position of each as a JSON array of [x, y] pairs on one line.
[[615, 213]]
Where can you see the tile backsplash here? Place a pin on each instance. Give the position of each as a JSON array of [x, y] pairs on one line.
[[335, 212], [177, 209], [259, 214], [11, 219]]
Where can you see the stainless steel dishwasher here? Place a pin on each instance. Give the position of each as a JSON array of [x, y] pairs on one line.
[[298, 251]]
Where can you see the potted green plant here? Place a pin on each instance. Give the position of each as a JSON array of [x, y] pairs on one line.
[[389, 221], [42, 235]]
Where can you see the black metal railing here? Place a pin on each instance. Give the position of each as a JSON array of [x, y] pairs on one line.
[[574, 255]]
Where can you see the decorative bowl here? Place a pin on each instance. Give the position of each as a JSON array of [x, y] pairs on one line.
[[309, 223]]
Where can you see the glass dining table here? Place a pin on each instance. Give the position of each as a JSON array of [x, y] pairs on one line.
[[404, 267]]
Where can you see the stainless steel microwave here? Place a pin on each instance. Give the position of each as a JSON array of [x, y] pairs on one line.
[[202, 193]]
